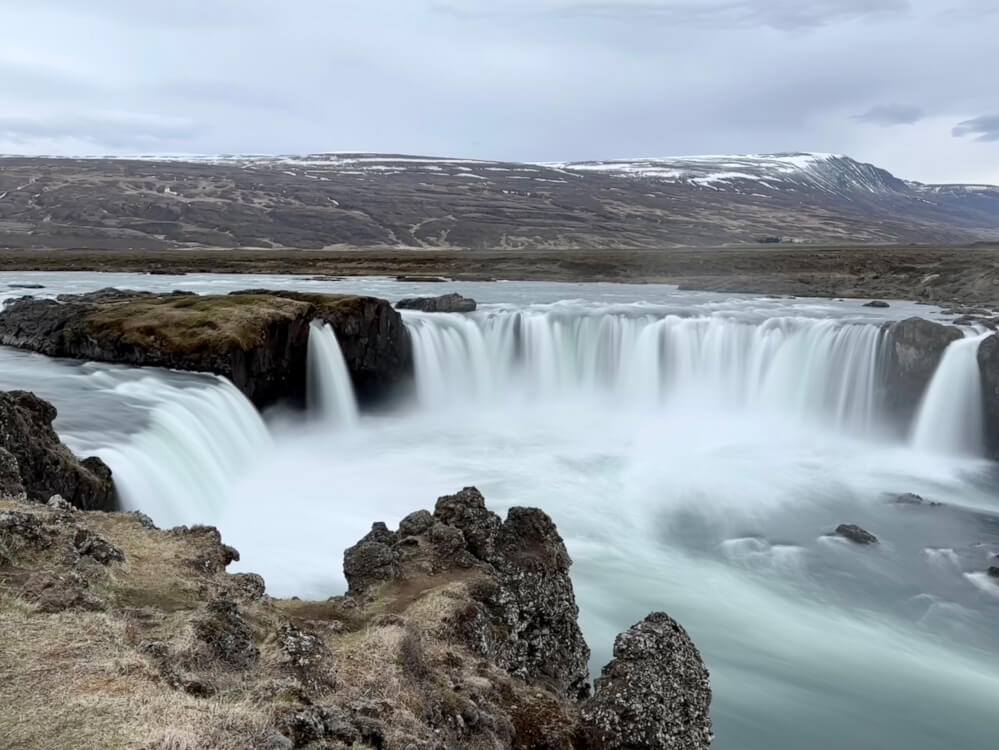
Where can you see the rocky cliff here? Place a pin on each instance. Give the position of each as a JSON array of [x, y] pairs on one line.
[[988, 364], [258, 340], [36, 465]]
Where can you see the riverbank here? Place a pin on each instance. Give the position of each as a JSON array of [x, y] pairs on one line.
[[942, 275]]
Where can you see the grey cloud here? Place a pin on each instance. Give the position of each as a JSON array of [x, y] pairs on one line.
[[891, 114], [984, 128], [779, 14], [108, 129], [544, 80]]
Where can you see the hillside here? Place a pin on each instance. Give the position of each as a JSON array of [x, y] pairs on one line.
[[365, 200]]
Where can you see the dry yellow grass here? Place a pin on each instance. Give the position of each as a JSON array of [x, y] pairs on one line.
[[76, 680]]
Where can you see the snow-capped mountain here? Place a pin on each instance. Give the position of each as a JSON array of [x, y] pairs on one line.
[[417, 201]]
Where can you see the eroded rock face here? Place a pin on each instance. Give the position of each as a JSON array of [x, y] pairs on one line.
[[988, 365], [654, 694], [44, 466], [258, 339], [444, 303], [10, 476], [913, 349], [523, 617]]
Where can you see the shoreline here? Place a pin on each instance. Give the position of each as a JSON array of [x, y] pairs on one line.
[[940, 275]]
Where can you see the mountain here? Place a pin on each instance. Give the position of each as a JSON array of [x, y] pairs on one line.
[[343, 200]]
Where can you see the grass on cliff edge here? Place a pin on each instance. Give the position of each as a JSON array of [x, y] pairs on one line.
[[80, 679], [189, 323]]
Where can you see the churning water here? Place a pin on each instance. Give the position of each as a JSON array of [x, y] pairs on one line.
[[695, 450]]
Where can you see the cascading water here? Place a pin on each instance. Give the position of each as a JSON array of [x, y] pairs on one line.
[[330, 392], [665, 439], [805, 367], [950, 414], [182, 464]]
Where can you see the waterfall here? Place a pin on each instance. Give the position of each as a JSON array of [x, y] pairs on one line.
[[949, 419], [197, 440], [806, 367], [330, 392]]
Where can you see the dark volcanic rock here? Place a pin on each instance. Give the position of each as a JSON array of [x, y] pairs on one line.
[[46, 466], [913, 349], [988, 365], [876, 303], [10, 475], [524, 616], [909, 498], [257, 339], [856, 534], [653, 694], [444, 303], [226, 635]]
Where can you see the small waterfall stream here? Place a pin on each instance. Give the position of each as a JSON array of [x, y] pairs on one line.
[[949, 419], [330, 393]]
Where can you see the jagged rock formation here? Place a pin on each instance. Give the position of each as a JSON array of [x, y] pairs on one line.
[[258, 339], [654, 694], [458, 632], [523, 611], [913, 349], [34, 463], [443, 303]]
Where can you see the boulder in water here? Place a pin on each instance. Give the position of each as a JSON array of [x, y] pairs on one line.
[[856, 534], [43, 465], [876, 303], [444, 303], [994, 571], [653, 694], [911, 498]]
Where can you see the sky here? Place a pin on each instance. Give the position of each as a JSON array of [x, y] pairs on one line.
[[909, 85]]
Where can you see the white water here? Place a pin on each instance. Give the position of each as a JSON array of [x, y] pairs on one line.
[[181, 466], [330, 391], [808, 368], [695, 455], [949, 419]]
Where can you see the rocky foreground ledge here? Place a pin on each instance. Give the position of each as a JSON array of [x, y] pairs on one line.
[[458, 631], [257, 339]]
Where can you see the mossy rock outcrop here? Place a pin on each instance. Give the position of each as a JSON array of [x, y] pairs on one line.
[[258, 339]]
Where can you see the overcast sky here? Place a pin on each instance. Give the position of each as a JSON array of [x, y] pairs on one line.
[[911, 85]]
